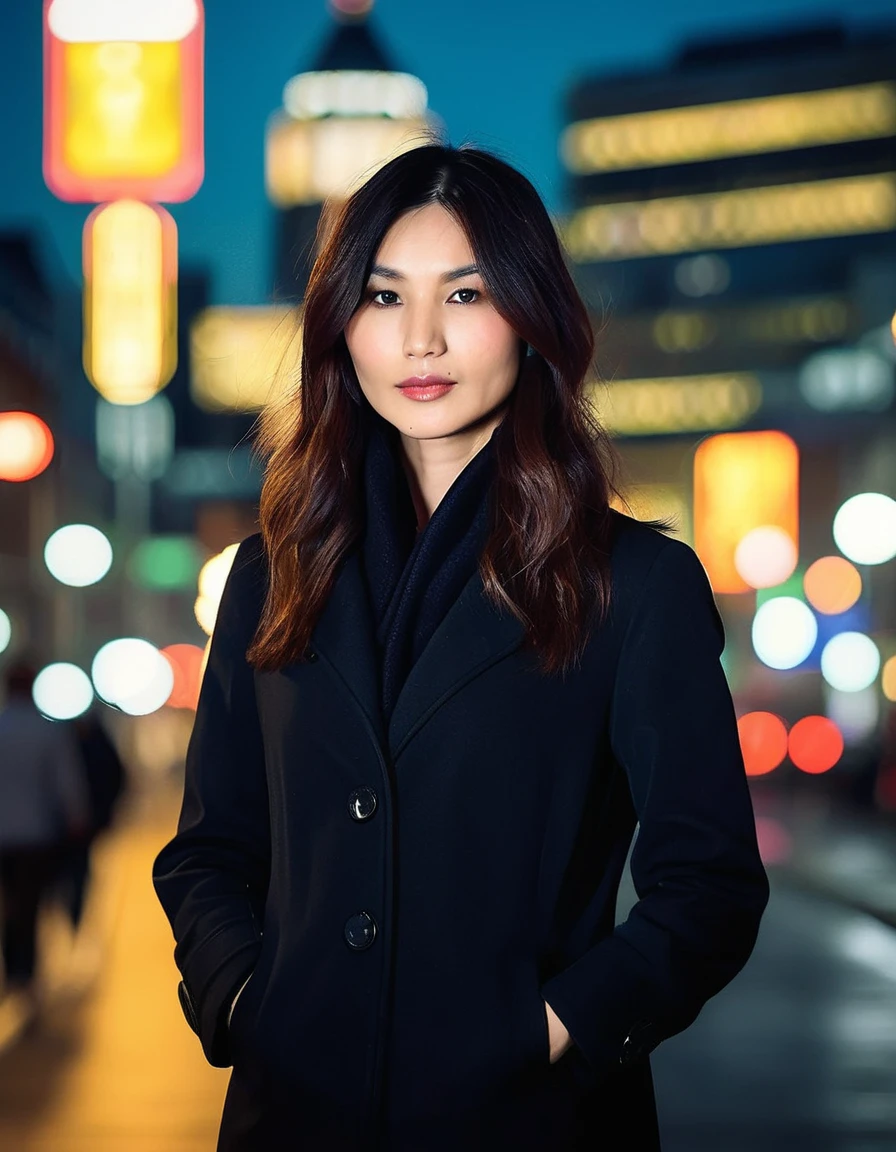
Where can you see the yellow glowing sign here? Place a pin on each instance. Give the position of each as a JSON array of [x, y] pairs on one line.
[[242, 358], [742, 481], [130, 300], [733, 128], [842, 207], [123, 99], [647, 407]]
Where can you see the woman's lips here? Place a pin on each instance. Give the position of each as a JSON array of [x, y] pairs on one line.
[[425, 391]]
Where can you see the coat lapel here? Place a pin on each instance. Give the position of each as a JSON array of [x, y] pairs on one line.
[[472, 636]]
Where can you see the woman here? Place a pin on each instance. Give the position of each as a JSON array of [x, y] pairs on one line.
[[446, 682]]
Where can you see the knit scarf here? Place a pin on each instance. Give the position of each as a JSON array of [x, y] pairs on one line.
[[414, 577]]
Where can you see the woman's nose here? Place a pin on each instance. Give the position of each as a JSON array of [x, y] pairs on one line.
[[423, 335]]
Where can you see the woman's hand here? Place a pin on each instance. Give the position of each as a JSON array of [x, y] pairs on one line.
[[559, 1037]]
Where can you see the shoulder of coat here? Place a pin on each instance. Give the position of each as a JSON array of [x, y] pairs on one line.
[[250, 565]]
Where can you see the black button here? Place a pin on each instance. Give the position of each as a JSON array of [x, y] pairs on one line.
[[362, 803], [310, 655], [360, 930], [640, 1042]]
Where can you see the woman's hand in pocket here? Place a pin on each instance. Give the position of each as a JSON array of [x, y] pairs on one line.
[[560, 1039]]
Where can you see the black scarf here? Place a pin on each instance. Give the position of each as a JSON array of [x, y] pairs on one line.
[[413, 577]]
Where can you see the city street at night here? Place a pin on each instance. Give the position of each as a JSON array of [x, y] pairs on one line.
[[445, 450]]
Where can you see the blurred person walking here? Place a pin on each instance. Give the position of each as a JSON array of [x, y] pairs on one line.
[[42, 802], [104, 780]]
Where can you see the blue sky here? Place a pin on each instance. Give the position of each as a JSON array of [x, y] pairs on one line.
[[496, 72]]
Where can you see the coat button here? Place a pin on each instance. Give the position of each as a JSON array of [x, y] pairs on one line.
[[310, 655], [362, 803], [360, 930]]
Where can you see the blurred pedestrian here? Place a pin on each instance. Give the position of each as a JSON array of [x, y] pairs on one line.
[[446, 681], [104, 780], [42, 803]]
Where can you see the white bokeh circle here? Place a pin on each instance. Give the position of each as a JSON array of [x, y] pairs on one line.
[[78, 555], [62, 691], [765, 557], [784, 632], [132, 674], [850, 661], [865, 528]]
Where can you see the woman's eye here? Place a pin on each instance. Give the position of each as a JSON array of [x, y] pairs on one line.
[[474, 291], [382, 292]]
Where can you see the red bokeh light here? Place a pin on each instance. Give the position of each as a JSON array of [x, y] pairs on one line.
[[763, 741], [186, 662], [815, 744], [26, 446]]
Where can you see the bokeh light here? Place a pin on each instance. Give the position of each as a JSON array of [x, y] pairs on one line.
[[850, 661], [865, 528], [186, 663], [766, 556], [856, 714], [78, 555], [784, 632], [132, 674], [888, 679], [62, 691], [775, 842], [212, 578], [5, 631], [763, 741], [832, 585], [815, 744], [26, 446]]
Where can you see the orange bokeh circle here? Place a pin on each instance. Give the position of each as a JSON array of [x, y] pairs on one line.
[[26, 446], [763, 741], [815, 744], [832, 584], [186, 663]]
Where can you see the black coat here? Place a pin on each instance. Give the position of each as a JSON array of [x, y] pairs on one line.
[[406, 899]]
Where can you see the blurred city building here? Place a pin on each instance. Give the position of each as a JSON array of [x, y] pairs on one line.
[[733, 228]]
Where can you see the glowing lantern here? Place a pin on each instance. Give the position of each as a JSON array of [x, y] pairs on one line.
[[123, 99], [763, 741], [742, 481], [832, 585], [815, 744], [26, 446], [130, 300]]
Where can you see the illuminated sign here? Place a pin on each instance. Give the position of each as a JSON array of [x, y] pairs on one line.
[[678, 404], [768, 215], [733, 128]]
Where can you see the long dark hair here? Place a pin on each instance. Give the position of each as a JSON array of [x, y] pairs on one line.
[[546, 559]]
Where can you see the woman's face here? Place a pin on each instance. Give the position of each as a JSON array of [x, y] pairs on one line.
[[425, 312]]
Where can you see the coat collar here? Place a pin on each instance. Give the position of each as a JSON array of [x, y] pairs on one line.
[[473, 635]]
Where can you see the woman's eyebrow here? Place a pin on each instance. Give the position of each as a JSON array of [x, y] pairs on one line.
[[394, 274]]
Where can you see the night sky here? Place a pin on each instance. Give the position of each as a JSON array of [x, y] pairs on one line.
[[495, 70]]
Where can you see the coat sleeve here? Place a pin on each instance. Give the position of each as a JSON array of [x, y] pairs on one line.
[[212, 877], [695, 865]]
